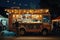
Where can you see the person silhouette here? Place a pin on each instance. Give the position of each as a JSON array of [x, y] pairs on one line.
[[16, 26], [1, 26]]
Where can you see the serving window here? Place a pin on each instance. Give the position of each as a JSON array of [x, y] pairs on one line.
[[28, 18]]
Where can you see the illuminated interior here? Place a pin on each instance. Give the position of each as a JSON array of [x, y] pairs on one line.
[[27, 15]]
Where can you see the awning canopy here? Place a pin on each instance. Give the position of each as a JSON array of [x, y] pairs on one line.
[[27, 11]]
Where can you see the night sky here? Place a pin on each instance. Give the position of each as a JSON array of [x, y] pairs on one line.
[[19, 3], [22, 4], [54, 5]]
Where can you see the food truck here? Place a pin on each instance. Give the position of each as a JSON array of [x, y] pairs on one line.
[[30, 20]]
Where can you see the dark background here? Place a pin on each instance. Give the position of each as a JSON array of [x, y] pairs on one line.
[[53, 5]]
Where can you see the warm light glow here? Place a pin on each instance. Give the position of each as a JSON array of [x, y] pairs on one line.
[[20, 11], [41, 10], [24, 11], [31, 11], [17, 16], [8, 10], [35, 11], [12, 11], [40, 15], [16, 11], [35, 16], [20, 16], [38, 11], [27, 12], [13, 16], [47, 10]]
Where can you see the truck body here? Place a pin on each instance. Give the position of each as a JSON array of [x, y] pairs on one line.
[[30, 20]]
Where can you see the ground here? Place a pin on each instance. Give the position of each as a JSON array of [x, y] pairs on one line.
[[30, 36]]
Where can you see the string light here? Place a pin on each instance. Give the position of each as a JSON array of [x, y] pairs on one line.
[[47, 10], [13, 16]]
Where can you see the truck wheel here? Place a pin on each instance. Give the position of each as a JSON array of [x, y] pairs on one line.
[[22, 32], [44, 32]]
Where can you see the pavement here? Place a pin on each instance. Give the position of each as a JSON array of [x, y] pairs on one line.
[[11, 36], [30, 38]]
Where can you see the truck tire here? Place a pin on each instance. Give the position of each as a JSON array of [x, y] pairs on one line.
[[44, 32], [22, 32]]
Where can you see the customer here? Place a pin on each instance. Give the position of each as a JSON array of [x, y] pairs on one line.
[[16, 26]]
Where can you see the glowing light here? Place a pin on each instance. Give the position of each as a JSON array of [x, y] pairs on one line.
[[13, 16], [47, 10], [35, 16], [16, 11], [17, 16], [35, 11], [12, 10], [40, 15], [38, 11], [7, 10], [27, 12], [31, 11], [7, 13], [41, 10], [24, 11], [19, 11]]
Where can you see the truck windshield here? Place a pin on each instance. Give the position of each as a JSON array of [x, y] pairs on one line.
[[46, 19]]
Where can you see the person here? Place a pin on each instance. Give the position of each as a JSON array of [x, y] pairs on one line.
[[16, 26], [1, 27], [55, 24]]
